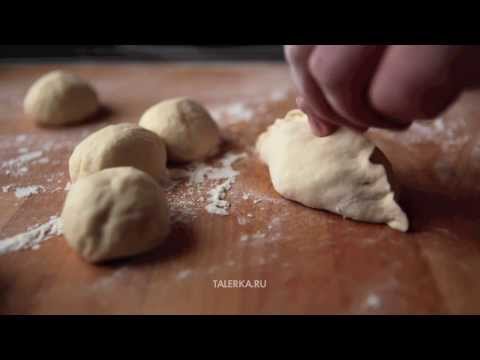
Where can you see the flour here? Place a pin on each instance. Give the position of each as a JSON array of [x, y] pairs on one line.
[[438, 132], [185, 191], [237, 111], [20, 138], [279, 95], [201, 172], [373, 301], [256, 236], [241, 220], [44, 160], [181, 275], [68, 186], [198, 174], [269, 234], [17, 166], [6, 187], [27, 191], [216, 197], [32, 237]]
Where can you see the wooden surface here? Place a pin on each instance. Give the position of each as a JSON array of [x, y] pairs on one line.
[[313, 262]]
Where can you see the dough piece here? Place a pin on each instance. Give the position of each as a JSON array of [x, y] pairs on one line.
[[333, 173], [58, 98], [187, 128], [115, 213], [120, 145]]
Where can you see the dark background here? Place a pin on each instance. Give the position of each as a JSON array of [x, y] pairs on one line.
[[35, 53]]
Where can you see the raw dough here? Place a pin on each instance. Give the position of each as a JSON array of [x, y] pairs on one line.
[[189, 131], [120, 145], [333, 173], [59, 98], [115, 213]]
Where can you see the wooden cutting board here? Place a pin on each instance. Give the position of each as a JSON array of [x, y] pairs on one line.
[[309, 261]]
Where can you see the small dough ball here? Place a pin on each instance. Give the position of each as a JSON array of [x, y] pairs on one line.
[[343, 173], [115, 213], [120, 145], [189, 131], [59, 98]]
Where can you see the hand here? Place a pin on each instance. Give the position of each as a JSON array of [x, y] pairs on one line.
[[379, 86]]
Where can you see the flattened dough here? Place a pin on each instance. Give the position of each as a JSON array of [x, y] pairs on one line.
[[334, 173]]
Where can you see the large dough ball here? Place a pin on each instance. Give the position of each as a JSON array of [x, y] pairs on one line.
[[343, 173], [115, 213], [59, 98], [119, 145], [187, 128]]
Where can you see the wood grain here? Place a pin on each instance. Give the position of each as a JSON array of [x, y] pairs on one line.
[[313, 262]]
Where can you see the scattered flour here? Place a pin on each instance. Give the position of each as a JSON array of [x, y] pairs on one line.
[[279, 95], [6, 187], [236, 111], [216, 198], [68, 186], [17, 166], [438, 132], [198, 174], [32, 237], [256, 236], [109, 281], [373, 301], [20, 138], [22, 192], [43, 160], [183, 274], [241, 220]]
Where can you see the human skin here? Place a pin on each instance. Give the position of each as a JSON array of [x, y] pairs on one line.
[[364, 86]]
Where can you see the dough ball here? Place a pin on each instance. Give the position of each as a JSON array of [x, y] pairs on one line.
[[342, 173], [58, 98], [189, 131], [120, 145], [115, 213]]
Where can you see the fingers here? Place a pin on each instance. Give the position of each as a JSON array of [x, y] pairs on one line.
[[379, 86], [319, 127], [298, 58], [415, 82], [344, 73]]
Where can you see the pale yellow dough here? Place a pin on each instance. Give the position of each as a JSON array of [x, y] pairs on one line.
[[120, 145], [333, 173], [60, 98], [187, 128], [115, 213]]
